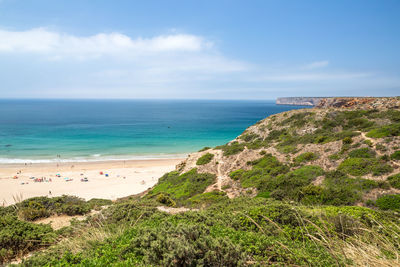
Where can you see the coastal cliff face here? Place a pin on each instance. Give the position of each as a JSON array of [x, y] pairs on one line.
[[359, 138], [298, 101], [341, 102]]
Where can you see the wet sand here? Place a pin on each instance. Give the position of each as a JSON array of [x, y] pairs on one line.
[[124, 178]]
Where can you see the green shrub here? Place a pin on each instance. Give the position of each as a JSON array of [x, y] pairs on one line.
[[340, 189], [305, 157], [394, 180], [276, 134], [385, 131], [206, 158], [18, 237], [395, 155], [184, 245], [287, 149], [290, 185], [40, 207], [359, 124], [232, 148], [166, 200], [183, 186], [368, 142], [206, 199], [97, 203], [263, 170], [248, 137], [34, 210], [264, 194], [347, 140], [384, 158], [388, 202], [363, 166], [380, 147], [297, 120], [236, 175], [362, 153], [311, 194], [204, 149], [335, 156]]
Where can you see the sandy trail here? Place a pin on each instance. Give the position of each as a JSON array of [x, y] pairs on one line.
[[124, 178]]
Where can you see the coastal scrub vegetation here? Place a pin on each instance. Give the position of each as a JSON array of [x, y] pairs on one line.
[[42, 207], [235, 232], [18, 235], [305, 157], [180, 187], [206, 158]]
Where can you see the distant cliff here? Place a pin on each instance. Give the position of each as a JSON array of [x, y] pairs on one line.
[[299, 101]]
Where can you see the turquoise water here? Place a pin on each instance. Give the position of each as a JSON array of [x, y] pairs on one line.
[[39, 130]]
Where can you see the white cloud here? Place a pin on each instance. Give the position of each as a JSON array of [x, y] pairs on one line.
[[312, 76], [59, 45], [316, 65], [56, 64]]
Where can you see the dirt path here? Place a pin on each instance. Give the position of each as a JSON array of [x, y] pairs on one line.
[[220, 176], [367, 138], [171, 210], [60, 221]]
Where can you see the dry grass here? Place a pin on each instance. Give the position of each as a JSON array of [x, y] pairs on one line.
[[365, 246], [92, 233], [377, 246]]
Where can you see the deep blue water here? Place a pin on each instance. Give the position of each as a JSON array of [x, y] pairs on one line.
[[40, 130]]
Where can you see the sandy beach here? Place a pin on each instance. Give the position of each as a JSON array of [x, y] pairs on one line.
[[118, 179]]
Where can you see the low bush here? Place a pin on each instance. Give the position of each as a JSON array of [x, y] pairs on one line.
[[206, 199], [206, 158], [394, 180], [97, 203], [395, 155], [287, 149], [339, 189], [263, 170], [347, 140], [183, 186], [297, 120], [359, 124], [248, 137], [236, 175], [305, 157], [290, 185], [33, 210], [231, 148], [18, 237], [362, 153], [41, 207], [388, 202], [368, 143], [363, 166], [335, 156], [192, 246], [204, 149], [166, 200], [385, 131]]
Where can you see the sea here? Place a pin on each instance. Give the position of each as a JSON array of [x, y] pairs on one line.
[[40, 131]]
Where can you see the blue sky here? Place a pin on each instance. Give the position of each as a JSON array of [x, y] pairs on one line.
[[198, 49]]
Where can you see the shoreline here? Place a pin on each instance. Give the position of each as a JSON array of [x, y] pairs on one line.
[[24, 161], [124, 178]]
